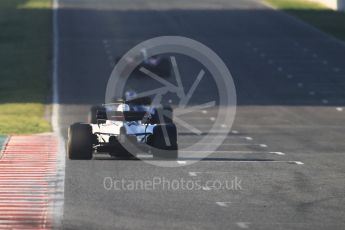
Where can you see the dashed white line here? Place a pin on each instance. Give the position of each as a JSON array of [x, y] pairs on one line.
[[234, 131], [192, 174], [212, 118], [243, 224], [108, 52], [336, 70], [205, 188], [298, 162], [340, 109], [223, 204], [278, 153], [248, 138], [324, 101], [110, 58], [263, 145]]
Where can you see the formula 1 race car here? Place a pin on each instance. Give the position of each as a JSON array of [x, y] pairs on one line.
[[134, 123]]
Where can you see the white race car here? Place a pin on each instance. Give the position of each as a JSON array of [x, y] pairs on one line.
[[125, 129]]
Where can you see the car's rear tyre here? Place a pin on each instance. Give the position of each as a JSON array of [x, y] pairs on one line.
[[163, 148], [79, 145]]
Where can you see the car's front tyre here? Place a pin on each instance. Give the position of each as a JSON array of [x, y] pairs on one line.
[[79, 144], [164, 142]]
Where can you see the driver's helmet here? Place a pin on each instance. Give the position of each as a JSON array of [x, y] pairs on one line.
[[130, 94], [122, 108]]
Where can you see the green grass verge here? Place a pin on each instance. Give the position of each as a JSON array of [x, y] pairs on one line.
[[23, 118], [25, 59], [318, 15]]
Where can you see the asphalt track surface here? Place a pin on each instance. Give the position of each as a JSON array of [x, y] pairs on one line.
[[287, 142]]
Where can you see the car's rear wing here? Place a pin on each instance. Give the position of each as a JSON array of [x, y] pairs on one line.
[[126, 115]]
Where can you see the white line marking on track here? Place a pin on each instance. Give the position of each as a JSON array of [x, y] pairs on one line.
[[324, 101], [208, 172], [336, 70], [108, 52], [181, 162], [224, 152], [224, 144], [340, 109], [192, 174], [249, 161], [278, 153], [248, 138], [234, 132], [205, 188], [58, 198], [223, 204], [243, 224], [55, 113]]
